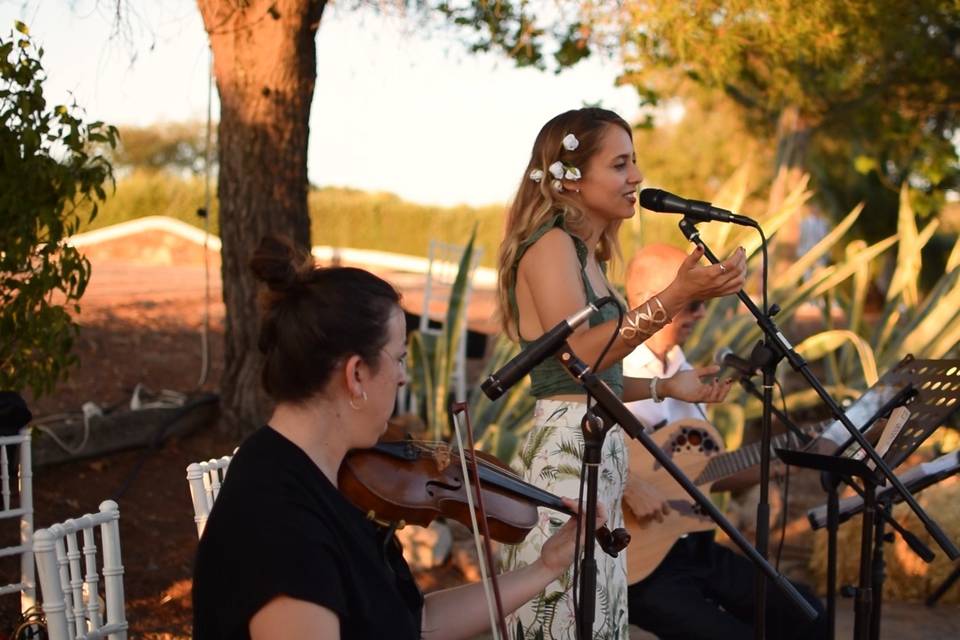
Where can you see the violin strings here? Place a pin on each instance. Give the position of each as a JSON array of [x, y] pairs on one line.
[[509, 478]]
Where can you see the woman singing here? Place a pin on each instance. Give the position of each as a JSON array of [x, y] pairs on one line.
[[578, 187]]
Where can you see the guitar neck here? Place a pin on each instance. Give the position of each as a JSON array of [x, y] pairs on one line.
[[733, 462]]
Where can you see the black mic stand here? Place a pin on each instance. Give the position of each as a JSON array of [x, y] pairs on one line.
[[594, 432], [747, 385], [830, 480], [610, 410], [780, 348]]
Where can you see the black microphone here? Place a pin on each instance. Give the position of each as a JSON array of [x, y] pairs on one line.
[[538, 351], [666, 202], [727, 358]]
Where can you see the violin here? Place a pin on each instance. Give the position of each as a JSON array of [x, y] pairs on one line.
[[413, 482]]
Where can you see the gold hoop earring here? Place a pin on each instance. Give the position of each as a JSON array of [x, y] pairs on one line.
[[356, 404]]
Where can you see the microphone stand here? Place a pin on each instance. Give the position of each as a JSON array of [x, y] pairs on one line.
[[778, 348], [747, 384], [594, 431], [610, 410]]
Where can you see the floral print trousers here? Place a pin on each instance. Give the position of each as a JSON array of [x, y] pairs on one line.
[[550, 458]]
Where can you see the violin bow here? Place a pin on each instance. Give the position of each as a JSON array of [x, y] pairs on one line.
[[487, 555]]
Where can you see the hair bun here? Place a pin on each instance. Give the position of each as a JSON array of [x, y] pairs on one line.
[[278, 264]]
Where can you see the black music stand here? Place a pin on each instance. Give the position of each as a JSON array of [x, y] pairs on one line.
[[931, 390], [944, 587], [916, 479]]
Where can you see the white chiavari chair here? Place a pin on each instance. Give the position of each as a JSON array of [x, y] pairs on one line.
[[205, 479], [16, 503], [69, 578]]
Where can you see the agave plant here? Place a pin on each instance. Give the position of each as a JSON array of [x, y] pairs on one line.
[[497, 426], [432, 356], [834, 275]]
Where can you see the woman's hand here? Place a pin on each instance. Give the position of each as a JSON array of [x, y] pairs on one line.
[[698, 282], [688, 386], [557, 552], [645, 501]]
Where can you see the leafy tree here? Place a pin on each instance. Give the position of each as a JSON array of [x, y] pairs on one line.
[[265, 67], [50, 173], [862, 93], [174, 146]]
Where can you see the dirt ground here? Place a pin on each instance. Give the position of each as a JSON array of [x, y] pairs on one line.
[[141, 321]]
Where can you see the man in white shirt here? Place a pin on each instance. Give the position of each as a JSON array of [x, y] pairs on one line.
[[700, 590], [649, 272]]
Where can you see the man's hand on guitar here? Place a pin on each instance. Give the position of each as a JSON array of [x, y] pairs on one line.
[[645, 501], [688, 386]]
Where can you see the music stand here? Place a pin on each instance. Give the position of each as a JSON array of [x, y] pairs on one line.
[[930, 388]]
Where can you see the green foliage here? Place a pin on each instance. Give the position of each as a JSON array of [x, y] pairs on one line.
[[433, 355], [171, 146], [514, 28], [497, 426], [51, 177], [351, 218], [829, 286], [151, 193], [338, 217], [872, 82]]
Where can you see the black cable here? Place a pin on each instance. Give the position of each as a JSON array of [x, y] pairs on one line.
[[763, 277], [611, 299], [583, 465], [786, 486], [785, 507]]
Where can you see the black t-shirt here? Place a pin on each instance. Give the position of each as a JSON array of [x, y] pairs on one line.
[[279, 527]]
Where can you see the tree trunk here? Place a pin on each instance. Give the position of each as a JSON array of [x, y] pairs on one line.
[[265, 65]]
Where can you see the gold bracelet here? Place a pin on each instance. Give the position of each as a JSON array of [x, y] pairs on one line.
[[644, 321]]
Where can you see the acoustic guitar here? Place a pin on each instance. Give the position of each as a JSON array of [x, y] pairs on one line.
[[697, 448]]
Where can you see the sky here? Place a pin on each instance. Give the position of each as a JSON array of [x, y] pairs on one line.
[[393, 110]]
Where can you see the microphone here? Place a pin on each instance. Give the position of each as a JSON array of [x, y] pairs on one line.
[[727, 358], [538, 351], [666, 202]]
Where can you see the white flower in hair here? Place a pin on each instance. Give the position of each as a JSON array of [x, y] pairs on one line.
[[557, 185], [557, 170], [572, 173], [536, 175], [570, 142]]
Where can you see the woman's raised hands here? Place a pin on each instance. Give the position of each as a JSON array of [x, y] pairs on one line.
[[702, 282]]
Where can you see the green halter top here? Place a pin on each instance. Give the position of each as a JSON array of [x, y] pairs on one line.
[[550, 378]]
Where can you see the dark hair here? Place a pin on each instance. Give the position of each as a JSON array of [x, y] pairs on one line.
[[313, 318]]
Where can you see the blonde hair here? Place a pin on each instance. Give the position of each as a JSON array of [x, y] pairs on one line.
[[537, 202]]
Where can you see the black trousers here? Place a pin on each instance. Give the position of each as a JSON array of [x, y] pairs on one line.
[[704, 591]]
